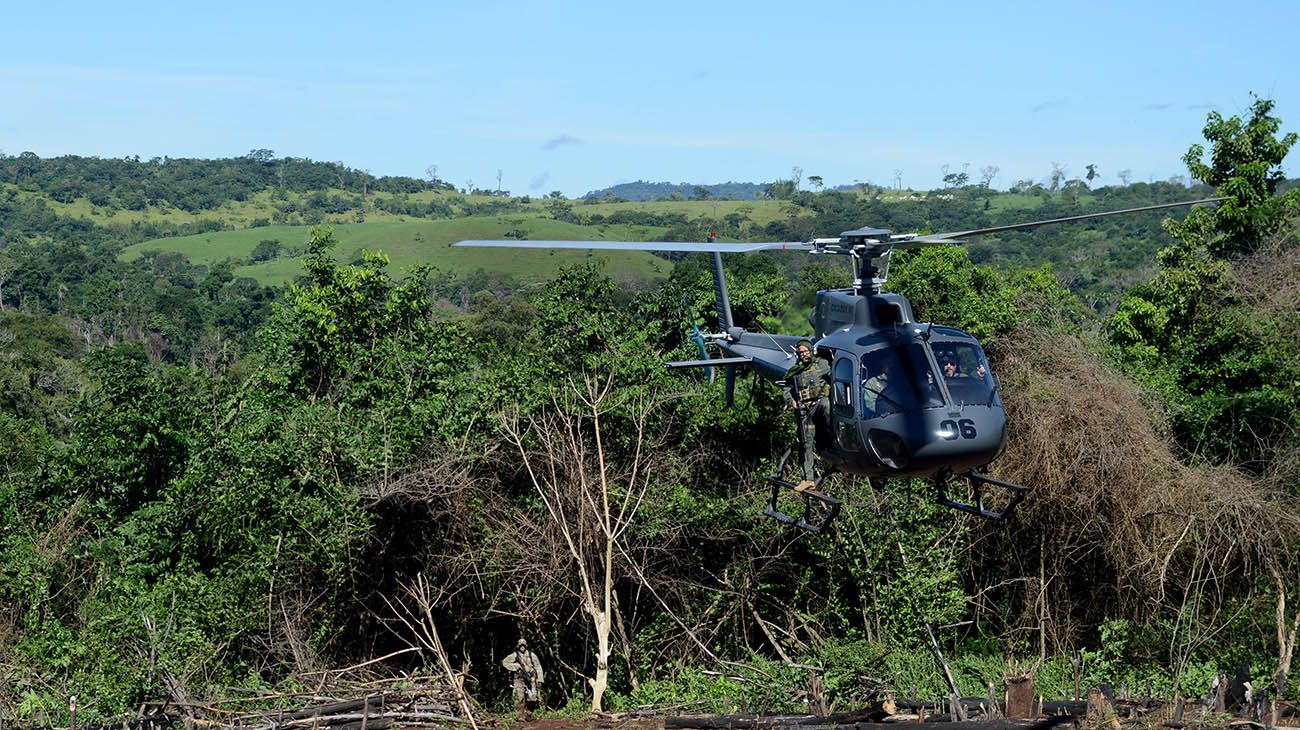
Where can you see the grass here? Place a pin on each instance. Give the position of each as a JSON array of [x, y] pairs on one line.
[[761, 212], [409, 242], [424, 242], [240, 213]]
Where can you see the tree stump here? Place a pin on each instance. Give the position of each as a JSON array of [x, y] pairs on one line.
[[1020, 696]]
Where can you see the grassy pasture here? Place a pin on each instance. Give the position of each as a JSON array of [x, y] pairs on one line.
[[239, 213], [761, 212], [424, 242]]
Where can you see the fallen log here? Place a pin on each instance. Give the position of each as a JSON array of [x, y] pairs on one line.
[[1050, 707], [335, 708], [340, 720]]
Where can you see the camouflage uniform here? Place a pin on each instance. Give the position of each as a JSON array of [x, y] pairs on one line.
[[807, 389], [528, 677], [871, 393]]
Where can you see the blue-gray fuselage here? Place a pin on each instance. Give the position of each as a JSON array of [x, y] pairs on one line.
[[907, 398]]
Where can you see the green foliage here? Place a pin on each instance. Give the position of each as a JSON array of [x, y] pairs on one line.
[[265, 250], [945, 287], [39, 373], [905, 557], [758, 685], [1245, 166], [132, 435], [847, 661], [207, 498], [189, 184], [1222, 366], [757, 288]]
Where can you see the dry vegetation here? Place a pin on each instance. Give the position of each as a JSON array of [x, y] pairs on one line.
[[1114, 500]]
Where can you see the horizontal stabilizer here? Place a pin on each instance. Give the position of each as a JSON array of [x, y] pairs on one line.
[[716, 362]]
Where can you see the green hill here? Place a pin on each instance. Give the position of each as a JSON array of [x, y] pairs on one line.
[[422, 242], [220, 210]]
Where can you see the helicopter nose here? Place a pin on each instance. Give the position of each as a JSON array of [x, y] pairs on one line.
[[922, 442], [973, 438]]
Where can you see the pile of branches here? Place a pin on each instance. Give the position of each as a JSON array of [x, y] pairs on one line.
[[366, 705]]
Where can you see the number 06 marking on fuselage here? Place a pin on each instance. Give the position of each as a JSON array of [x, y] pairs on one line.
[[952, 430]]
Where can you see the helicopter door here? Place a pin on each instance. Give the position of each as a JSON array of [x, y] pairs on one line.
[[843, 405]]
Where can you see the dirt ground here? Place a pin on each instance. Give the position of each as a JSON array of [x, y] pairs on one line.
[[583, 724]]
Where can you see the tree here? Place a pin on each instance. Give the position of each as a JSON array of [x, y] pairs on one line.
[[796, 176], [1245, 167], [781, 189], [987, 173], [815, 181], [1188, 331], [591, 496], [7, 268], [1125, 176], [1091, 174], [1057, 176], [265, 250]]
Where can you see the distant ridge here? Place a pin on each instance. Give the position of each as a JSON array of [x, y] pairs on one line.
[[642, 191]]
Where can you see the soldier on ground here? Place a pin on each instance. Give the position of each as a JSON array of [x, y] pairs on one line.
[[528, 677]]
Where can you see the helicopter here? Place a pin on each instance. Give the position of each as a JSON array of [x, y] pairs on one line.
[[937, 414]]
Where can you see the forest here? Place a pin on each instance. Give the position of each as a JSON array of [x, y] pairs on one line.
[[212, 483]]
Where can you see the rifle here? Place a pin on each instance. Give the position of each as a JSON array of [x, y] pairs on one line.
[[525, 672]]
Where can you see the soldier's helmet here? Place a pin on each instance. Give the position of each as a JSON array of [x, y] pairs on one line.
[[803, 343], [522, 644]]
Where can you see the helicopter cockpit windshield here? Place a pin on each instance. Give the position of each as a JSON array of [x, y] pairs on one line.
[[966, 373], [898, 378]]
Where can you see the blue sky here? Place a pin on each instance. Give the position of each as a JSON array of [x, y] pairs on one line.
[[579, 96]]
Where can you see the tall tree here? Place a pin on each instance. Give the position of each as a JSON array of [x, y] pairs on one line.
[[591, 493], [1188, 332], [1245, 166]]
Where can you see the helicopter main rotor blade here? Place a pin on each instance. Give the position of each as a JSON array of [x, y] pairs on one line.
[[938, 238], [681, 246]]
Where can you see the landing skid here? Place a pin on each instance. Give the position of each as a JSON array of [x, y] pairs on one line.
[[1013, 492], [818, 509]]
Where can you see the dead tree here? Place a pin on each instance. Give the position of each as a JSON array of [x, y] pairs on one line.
[[414, 611], [590, 497]]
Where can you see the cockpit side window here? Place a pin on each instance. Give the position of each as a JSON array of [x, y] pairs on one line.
[[842, 396]]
